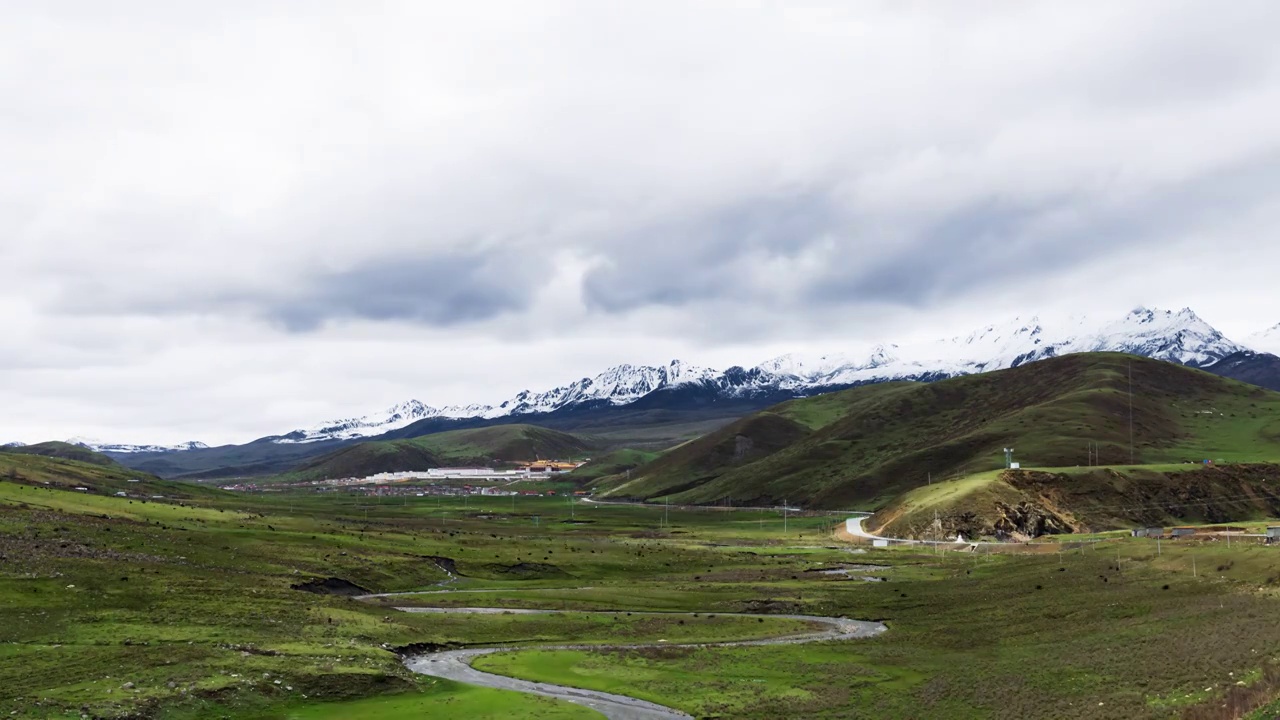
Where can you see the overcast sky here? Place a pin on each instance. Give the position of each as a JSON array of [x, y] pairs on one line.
[[224, 220]]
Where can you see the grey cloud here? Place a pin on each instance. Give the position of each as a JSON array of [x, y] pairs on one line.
[[703, 256], [996, 242], [173, 166], [437, 290]]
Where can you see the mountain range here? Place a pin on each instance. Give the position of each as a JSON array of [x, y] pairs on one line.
[[1180, 337]]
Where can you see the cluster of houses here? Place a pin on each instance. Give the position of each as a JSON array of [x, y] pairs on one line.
[[525, 471], [1272, 534]]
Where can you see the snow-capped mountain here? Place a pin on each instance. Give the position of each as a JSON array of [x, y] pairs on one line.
[[14, 444], [1266, 341], [616, 386], [128, 449], [393, 418], [1180, 337]]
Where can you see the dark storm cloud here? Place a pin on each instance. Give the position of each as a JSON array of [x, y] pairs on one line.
[[705, 256], [440, 290], [995, 242]]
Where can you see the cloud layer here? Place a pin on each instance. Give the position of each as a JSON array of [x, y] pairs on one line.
[[221, 222]]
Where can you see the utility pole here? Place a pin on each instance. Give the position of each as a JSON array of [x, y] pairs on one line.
[[784, 516]]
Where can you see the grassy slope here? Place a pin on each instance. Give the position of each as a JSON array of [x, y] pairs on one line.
[[98, 591], [1088, 499], [99, 479], [614, 462], [498, 444], [65, 451], [862, 447]]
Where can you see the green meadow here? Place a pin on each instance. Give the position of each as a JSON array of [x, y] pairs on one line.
[[186, 607]]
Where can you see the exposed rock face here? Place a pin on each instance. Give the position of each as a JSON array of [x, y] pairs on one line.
[[1029, 503], [1029, 519]]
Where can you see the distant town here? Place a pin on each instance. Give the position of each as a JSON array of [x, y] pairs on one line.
[[435, 481]]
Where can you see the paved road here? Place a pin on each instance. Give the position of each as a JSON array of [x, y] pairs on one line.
[[456, 664]]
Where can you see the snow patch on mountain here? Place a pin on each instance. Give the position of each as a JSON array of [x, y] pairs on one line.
[[1267, 341], [618, 385], [129, 449], [393, 418], [1181, 337]]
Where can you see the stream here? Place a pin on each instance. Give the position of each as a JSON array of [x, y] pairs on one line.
[[456, 664]]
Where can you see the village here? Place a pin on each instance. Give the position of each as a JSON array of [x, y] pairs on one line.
[[527, 478]]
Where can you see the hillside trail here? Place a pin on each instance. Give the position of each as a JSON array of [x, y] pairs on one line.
[[456, 664]]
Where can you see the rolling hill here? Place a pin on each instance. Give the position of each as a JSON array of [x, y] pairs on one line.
[[65, 451], [477, 446], [1029, 503], [94, 476], [864, 446]]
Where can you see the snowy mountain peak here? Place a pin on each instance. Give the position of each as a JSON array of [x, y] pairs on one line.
[[1181, 337], [393, 418], [805, 367]]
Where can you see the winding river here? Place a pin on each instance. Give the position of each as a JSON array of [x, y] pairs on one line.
[[456, 664]]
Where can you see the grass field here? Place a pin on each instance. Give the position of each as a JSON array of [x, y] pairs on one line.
[[184, 607]]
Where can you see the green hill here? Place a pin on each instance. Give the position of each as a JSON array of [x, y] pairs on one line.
[[97, 478], [479, 446], [865, 446], [1028, 503], [65, 451], [614, 462]]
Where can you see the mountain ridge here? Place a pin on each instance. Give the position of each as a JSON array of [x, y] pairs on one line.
[[1181, 337]]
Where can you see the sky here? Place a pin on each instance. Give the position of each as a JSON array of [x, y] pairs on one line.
[[225, 220]]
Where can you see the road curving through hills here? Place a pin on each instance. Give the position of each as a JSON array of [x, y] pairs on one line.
[[456, 664]]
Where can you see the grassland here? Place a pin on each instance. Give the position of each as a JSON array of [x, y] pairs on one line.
[[185, 607], [863, 447]]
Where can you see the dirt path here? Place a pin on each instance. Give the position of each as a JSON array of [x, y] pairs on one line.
[[456, 664]]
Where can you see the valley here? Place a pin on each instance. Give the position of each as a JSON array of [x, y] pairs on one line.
[[203, 603], [715, 576]]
